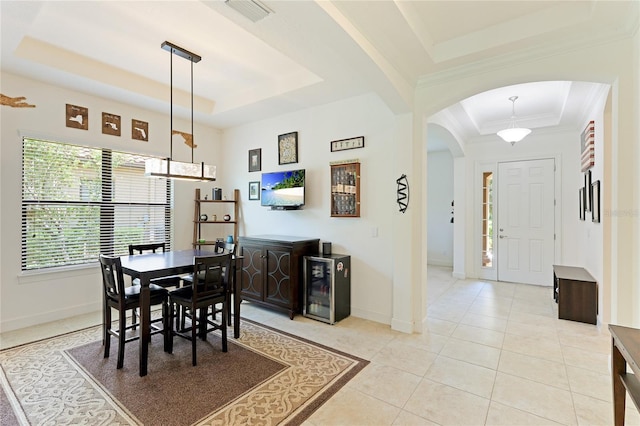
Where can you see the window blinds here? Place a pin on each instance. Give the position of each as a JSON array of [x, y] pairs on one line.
[[78, 202]]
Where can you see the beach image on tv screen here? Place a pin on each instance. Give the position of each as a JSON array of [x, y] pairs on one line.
[[283, 188]]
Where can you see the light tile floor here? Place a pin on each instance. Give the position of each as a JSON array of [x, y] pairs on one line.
[[494, 354]]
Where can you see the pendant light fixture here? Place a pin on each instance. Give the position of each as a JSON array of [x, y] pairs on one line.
[[513, 133], [167, 168]]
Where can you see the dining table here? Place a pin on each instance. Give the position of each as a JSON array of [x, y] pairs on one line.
[[148, 266]]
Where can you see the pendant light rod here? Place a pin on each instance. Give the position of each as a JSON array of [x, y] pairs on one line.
[[193, 140]]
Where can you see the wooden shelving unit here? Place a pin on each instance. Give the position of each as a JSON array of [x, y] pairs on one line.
[[211, 208]]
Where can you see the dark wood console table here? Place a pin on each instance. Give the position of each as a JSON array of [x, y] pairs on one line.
[[625, 350], [576, 292]]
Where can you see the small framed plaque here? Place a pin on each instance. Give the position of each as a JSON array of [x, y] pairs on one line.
[[139, 130], [110, 124], [77, 117], [344, 144], [254, 190]]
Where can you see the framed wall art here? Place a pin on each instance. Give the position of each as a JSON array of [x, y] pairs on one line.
[[595, 199], [77, 117], [110, 124], [588, 202], [254, 190], [581, 198], [255, 160], [139, 130], [288, 148], [351, 143]]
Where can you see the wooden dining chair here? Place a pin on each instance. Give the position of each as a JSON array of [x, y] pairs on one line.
[[208, 290], [166, 282], [220, 247], [117, 296]]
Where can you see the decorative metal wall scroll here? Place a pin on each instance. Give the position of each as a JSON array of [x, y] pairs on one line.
[[403, 193]]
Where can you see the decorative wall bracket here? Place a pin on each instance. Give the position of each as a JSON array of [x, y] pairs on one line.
[[403, 193]]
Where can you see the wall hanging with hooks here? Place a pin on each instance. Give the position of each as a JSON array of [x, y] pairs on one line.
[[403, 193]]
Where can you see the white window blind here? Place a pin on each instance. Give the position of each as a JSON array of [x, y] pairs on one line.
[[78, 202]]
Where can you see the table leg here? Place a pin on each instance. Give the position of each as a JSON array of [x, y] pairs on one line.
[[618, 367], [237, 285], [145, 323]]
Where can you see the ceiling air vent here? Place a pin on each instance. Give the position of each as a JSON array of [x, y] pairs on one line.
[[252, 9]]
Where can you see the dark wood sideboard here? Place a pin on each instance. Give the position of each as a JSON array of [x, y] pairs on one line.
[[576, 292], [272, 270]]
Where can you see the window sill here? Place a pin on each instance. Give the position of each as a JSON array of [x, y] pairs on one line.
[[39, 275]]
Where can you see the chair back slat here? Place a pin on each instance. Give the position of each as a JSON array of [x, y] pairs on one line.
[[209, 270], [112, 277], [145, 248]]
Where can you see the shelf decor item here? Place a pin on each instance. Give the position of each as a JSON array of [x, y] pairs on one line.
[[255, 160], [288, 148], [254, 190], [344, 144]]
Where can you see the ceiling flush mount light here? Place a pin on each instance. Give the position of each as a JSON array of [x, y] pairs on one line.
[[168, 168], [513, 133]]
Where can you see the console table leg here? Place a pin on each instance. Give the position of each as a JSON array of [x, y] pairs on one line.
[[618, 368]]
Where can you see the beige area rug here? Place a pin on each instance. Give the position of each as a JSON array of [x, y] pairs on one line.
[[267, 377]]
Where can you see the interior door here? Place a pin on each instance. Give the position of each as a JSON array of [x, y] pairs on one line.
[[526, 221]]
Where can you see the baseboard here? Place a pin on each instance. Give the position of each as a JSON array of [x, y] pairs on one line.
[[459, 275], [439, 262], [45, 317], [371, 316], [402, 326]]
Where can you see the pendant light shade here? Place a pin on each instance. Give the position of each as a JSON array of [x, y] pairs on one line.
[[168, 168], [513, 133]]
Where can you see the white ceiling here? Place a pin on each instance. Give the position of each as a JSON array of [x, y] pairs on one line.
[[305, 53]]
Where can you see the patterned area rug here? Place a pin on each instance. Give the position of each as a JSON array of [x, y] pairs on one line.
[[267, 377]]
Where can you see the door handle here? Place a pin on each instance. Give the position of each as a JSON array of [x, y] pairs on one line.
[[503, 236]]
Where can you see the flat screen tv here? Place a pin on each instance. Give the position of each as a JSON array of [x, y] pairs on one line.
[[283, 190]]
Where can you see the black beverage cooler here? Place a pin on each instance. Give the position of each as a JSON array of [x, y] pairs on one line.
[[327, 287]]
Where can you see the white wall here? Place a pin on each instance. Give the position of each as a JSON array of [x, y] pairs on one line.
[[367, 239], [36, 298], [440, 196]]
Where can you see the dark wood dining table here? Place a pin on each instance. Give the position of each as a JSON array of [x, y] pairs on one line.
[[156, 265]]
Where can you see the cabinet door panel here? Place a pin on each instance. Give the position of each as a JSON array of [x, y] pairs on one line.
[[252, 276], [278, 279]]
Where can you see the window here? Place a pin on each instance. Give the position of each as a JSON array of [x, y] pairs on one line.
[[487, 219], [78, 202]]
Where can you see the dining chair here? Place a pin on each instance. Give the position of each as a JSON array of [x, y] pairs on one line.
[[208, 290], [220, 247], [170, 281], [117, 296]]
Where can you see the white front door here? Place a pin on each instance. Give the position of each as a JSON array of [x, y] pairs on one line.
[[526, 221]]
